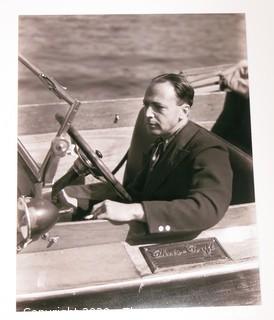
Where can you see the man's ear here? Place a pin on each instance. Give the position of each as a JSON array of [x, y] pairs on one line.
[[185, 108]]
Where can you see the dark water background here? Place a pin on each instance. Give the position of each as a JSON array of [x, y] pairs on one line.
[[114, 56]]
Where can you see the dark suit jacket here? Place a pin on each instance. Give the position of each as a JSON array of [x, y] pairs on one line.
[[189, 189]]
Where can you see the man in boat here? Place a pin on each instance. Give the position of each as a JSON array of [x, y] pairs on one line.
[[185, 184]]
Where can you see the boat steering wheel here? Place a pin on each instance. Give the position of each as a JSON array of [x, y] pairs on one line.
[[90, 161]]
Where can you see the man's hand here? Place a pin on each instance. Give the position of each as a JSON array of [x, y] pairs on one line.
[[237, 78], [117, 211]]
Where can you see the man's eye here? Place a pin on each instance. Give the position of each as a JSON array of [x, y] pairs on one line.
[[160, 108]]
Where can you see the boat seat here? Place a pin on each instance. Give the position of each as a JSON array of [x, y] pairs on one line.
[[241, 163]]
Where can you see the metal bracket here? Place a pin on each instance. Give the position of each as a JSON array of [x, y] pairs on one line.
[[51, 240]]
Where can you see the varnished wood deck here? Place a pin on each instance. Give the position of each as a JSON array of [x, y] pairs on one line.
[[95, 258]]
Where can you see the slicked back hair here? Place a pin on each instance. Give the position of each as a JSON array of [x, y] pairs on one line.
[[182, 87]]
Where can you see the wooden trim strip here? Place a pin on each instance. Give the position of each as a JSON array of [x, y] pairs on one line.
[[148, 281]]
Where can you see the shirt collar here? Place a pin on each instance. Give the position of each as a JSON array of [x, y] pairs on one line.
[[178, 127]]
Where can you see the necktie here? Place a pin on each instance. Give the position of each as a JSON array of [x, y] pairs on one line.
[[157, 151]]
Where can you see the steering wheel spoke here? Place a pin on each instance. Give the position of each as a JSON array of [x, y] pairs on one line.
[[89, 161]]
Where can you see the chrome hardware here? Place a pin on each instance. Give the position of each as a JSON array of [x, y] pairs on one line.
[[99, 154], [51, 240], [60, 146], [35, 217], [116, 118]]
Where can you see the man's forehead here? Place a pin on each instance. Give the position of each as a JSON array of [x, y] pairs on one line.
[[164, 90]]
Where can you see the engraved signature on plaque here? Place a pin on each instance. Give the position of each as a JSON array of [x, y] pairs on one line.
[[163, 256], [206, 250]]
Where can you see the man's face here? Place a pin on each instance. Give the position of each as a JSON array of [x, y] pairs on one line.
[[161, 110]]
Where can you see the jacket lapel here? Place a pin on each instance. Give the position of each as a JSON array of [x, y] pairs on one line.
[[176, 151]]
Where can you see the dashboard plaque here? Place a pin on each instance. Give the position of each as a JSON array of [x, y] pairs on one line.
[[165, 256]]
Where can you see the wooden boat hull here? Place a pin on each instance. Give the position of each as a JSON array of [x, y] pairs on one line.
[[110, 272]]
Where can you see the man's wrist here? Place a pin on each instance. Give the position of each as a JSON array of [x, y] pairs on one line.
[[138, 212]]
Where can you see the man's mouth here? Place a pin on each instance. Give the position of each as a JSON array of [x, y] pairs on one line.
[[151, 124]]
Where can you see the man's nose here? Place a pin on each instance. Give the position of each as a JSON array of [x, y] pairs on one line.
[[149, 112]]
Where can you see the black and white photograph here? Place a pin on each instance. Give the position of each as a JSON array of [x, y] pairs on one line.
[[136, 179]]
